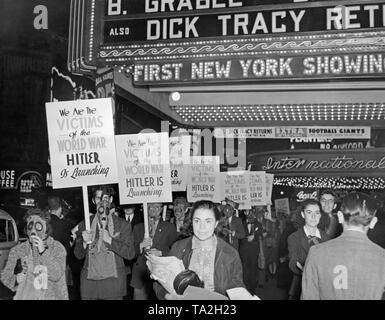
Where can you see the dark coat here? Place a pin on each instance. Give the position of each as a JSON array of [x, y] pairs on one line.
[[237, 226], [249, 252], [61, 231], [227, 265], [165, 235], [283, 250], [138, 218], [299, 248], [377, 234]]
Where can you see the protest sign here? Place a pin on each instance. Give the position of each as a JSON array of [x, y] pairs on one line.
[[236, 187], [179, 160], [204, 179], [282, 206], [81, 145], [144, 170], [269, 178], [258, 188], [81, 142], [143, 167]]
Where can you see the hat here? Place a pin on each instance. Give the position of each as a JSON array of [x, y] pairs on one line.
[[232, 203]]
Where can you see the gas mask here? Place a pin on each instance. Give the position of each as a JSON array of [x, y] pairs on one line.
[[103, 212], [36, 226], [179, 211], [228, 211]]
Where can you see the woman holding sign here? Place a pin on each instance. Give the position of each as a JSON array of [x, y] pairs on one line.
[[215, 262]]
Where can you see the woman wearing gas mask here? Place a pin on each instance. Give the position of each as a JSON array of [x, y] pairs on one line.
[[104, 247], [42, 260]]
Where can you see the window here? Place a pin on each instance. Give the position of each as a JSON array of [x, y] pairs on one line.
[[7, 233]]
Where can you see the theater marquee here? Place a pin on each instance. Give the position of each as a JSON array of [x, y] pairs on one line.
[[178, 41], [261, 68]]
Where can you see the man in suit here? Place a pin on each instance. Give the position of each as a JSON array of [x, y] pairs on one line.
[[235, 230], [162, 235], [182, 219], [328, 200], [350, 267], [249, 250], [61, 227], [129, 214]]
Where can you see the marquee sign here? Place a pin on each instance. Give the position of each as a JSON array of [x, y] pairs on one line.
[[370, 162], [281, 34], [156, 25], [309, 132], [261, 68], [135, 7]]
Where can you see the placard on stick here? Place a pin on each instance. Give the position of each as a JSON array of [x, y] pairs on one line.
[[269, 178], [81, 144], [144, 169], [258, 188], [282, 206], [204, 179], [236, 187], [179, 160]]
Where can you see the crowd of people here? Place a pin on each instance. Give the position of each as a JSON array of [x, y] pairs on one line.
[[328, 248]]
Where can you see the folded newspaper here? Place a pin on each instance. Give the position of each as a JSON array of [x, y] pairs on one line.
[[240, 294], [164, 270]]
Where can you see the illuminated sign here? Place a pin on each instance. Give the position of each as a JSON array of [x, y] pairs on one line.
[[314, 132], [134, 7], [370, 162], [24, 180], [188, 40], [244, 21], [261, 68]]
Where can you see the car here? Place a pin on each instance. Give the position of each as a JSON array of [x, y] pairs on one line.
[[9, 236]]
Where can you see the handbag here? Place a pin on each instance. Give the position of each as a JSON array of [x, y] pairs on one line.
[[101, 263]]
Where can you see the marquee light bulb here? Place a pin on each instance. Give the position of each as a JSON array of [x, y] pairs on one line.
[[175, 96]]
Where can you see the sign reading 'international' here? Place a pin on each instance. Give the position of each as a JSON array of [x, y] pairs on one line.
[[370, 162]]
